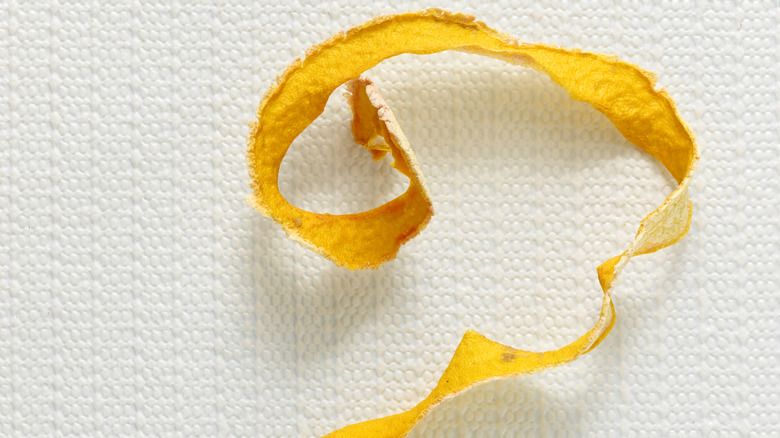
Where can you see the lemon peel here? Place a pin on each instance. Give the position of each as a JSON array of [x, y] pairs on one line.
[[623, 92]]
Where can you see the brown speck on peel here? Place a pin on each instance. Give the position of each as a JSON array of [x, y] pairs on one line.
[[510, 354]]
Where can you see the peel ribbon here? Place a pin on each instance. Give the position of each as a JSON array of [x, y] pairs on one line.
[[623, 92]]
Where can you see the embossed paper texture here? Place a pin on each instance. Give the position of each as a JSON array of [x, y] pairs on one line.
[[140, 295]]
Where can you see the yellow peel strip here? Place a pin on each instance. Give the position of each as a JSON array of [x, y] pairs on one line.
[[623, 92]]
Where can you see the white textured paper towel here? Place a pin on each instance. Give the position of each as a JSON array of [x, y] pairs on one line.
[[140, 295]]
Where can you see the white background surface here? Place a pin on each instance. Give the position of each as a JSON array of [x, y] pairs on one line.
[[140, 295]]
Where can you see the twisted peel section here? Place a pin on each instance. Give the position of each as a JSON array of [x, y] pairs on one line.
[[623, 92]]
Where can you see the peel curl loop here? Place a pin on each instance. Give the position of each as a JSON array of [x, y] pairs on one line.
[[623, 92]]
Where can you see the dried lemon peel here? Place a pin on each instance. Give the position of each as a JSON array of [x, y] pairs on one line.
[[624, 93]]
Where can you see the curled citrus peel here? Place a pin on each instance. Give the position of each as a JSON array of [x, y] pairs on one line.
[[623, 92]]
